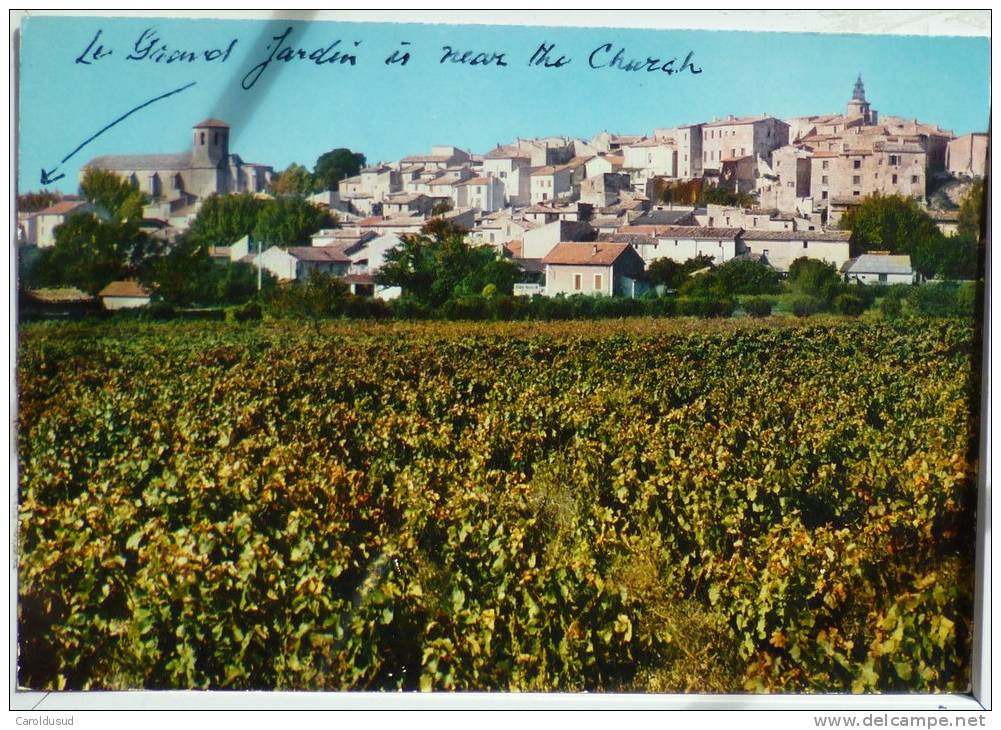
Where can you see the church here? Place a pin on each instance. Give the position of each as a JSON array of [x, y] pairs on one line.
[[186, 177]]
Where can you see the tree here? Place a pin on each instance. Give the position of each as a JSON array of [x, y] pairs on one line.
[[114, 198], [93, 249], [438, 265], [814, 278], [671, 274], [971, 211], [441, 207], [34, 202], [745, 276], [90, 253], [333, 166], [321, 296], [225, 219], [952, 257], [888, 223], [294, 180], [290, 222], [720, 196]]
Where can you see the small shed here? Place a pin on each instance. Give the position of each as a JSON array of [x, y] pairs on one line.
[[127, 294], [880, 269]]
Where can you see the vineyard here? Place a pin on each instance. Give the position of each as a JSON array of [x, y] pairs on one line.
[[641, 505]]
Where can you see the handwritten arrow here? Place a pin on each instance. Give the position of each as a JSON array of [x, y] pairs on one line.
[[47, 175]]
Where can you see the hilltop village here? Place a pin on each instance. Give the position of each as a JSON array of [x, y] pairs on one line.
[[583, 216]]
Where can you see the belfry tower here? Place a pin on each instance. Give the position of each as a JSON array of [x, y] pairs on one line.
[[858, 106]]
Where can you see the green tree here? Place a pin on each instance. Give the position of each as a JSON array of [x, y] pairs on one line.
[[672, 274], [113, 197], [971, 211], [333, 166], [33, 202], [745, 276], [888, 223], [720, 196], [225, 219], [321, 296], [90, 253], [290, 222], [438, 264], [294, 180], [814, 278], [947, 257]]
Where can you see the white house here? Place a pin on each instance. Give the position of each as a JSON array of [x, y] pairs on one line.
[[483, 193], [880, 269], [513, 168], [781, 248], [655, 157], [299, 262], [124, 295], [680, 243], [551, 182], [603, 165], [538, 242], [48, 219]]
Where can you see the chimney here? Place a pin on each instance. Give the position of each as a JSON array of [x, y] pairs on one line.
[[594, 249]]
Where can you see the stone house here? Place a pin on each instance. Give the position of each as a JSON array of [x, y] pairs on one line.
[[737, 137], [441, 157], [379, 181], [483, 193], [604, 190], [551, 183], [412, 204], [655, 157], [599, 268], [966, 156], [513, 167], [47, 220]]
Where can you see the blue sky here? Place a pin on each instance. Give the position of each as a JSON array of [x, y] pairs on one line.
[[298, 110]]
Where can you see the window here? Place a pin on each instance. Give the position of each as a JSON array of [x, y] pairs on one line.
[[754, 222], [491, 238], [856, 179], [882, 278], [857, 164], [825, 164], [201, 137], [894, 179], [576, 282], [914, 179], [805, 244], [503, 175], [823, 179], [894, 160], [479, 189], [856, 193], [733, 152], [741, 151], [823, 195], [597, 282]]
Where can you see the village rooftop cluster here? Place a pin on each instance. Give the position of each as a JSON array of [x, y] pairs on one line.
[[584, 216]]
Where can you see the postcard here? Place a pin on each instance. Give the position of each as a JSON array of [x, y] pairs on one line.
[[373, 356]]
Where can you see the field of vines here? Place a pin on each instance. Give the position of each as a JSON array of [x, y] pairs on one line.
[[636, 505]]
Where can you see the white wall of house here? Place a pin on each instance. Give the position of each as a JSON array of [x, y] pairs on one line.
[[682, 249], [551, 186], [781, 254], [374, 252], [661, 159], [279, 263], [872, 278], [113, 303], [514, 175]]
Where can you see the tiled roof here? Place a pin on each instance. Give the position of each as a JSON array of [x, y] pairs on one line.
[[585, 254], [516, 247], [212, 122], [701, 232], [548, 170], [630, 238], [129, 288], [63, 207], [405, 199], [59, 295], [474, 181], [737, 120], [505, 152], [179, 161], [834, 236], [358, 278], [318, 253], [654, 143]]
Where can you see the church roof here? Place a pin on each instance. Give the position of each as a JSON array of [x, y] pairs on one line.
[[127, 163], [212, 122]]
